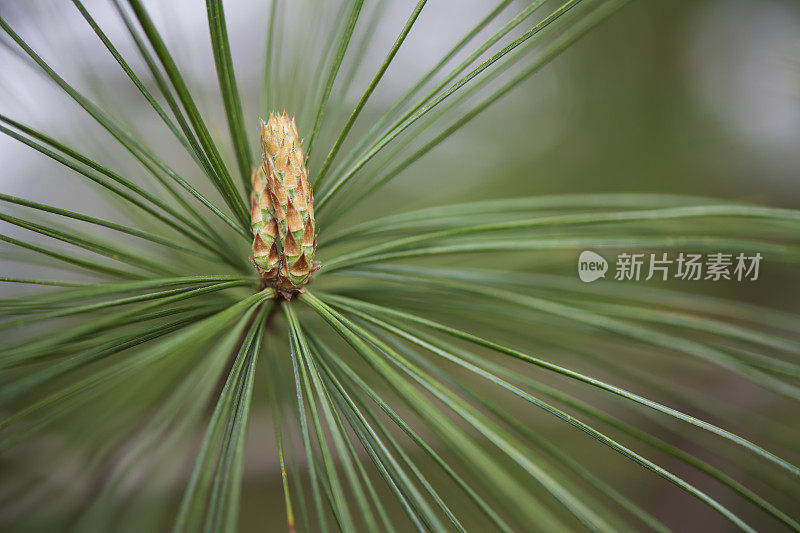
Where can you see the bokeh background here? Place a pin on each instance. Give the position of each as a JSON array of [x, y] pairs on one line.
[[695, 97]]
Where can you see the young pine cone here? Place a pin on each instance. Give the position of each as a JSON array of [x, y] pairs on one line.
[[282, 206]]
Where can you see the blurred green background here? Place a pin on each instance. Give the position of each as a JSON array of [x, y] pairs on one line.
[[695, 97]]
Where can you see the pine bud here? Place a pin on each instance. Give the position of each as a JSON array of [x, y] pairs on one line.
[[282, 209]]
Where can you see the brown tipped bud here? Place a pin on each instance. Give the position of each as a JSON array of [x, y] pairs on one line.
[[283, 211]]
